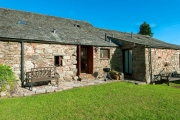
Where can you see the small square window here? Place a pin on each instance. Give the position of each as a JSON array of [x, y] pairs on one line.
[[58, 60], [105, 53]]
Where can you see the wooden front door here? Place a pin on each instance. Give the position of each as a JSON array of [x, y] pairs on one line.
[[85, 59], [128, 61]]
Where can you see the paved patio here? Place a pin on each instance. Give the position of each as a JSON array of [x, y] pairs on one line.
[[64, 86]]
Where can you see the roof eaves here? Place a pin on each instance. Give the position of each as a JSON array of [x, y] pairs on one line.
[[58, 42], [158, 44]]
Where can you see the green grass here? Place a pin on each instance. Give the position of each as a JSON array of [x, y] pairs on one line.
[[175, 84], [112, 101]]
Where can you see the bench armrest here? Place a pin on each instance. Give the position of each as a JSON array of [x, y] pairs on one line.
[[165, 75], [56, 75]]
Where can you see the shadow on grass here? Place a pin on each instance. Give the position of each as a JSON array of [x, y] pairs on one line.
[[157, 82], [175, 84]]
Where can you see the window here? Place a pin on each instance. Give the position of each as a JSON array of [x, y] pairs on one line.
[[58, 60], [22, 22], [104, 53]]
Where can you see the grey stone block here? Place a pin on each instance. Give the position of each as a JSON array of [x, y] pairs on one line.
[[40, 91], [49, 90], [28, 94], [3, 94]]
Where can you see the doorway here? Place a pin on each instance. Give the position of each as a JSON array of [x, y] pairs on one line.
[[128, 62], [85, 59]]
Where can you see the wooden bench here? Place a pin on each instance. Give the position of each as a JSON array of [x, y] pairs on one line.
[[168, 77], [42, 74]]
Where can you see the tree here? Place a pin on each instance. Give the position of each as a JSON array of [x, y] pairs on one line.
[[145, 29]]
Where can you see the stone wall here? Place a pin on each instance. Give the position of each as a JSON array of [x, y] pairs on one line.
[[42, 55], [138, 60], [39, 55], [10, 55], [160, 57], [115, 61], [138, 63]]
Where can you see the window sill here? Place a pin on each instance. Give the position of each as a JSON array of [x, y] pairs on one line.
[[104, 58], [58, 66]]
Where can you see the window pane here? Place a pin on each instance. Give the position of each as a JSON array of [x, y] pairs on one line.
[[58, 60], [104, 53]]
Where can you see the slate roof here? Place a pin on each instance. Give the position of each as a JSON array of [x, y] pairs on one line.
[[36, 27], [31, 26], [139, 39]]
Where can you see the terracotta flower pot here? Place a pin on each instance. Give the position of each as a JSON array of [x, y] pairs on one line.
[[117, 77]]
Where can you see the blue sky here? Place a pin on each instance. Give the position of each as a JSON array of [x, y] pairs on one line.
[[122, 15]]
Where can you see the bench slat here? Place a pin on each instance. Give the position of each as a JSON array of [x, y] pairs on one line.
[[44, 79], [174, 78], [42, 74]]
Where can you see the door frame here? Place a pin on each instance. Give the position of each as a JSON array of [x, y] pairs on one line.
[[89, 59], [128, 62]]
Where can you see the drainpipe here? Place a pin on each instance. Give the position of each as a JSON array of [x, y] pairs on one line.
[[150, 65], [22, 63]]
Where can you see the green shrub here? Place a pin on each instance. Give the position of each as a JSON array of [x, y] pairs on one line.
[[114, 73], [8, 76]]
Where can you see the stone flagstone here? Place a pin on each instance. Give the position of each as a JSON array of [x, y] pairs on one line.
[[63, 86]]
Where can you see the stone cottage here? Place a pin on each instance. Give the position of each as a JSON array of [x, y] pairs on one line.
[[143, 56], [77, 49]]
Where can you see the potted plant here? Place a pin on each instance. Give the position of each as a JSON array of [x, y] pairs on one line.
[[114, 74]]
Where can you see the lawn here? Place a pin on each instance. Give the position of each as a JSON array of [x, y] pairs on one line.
[[112, 101]]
